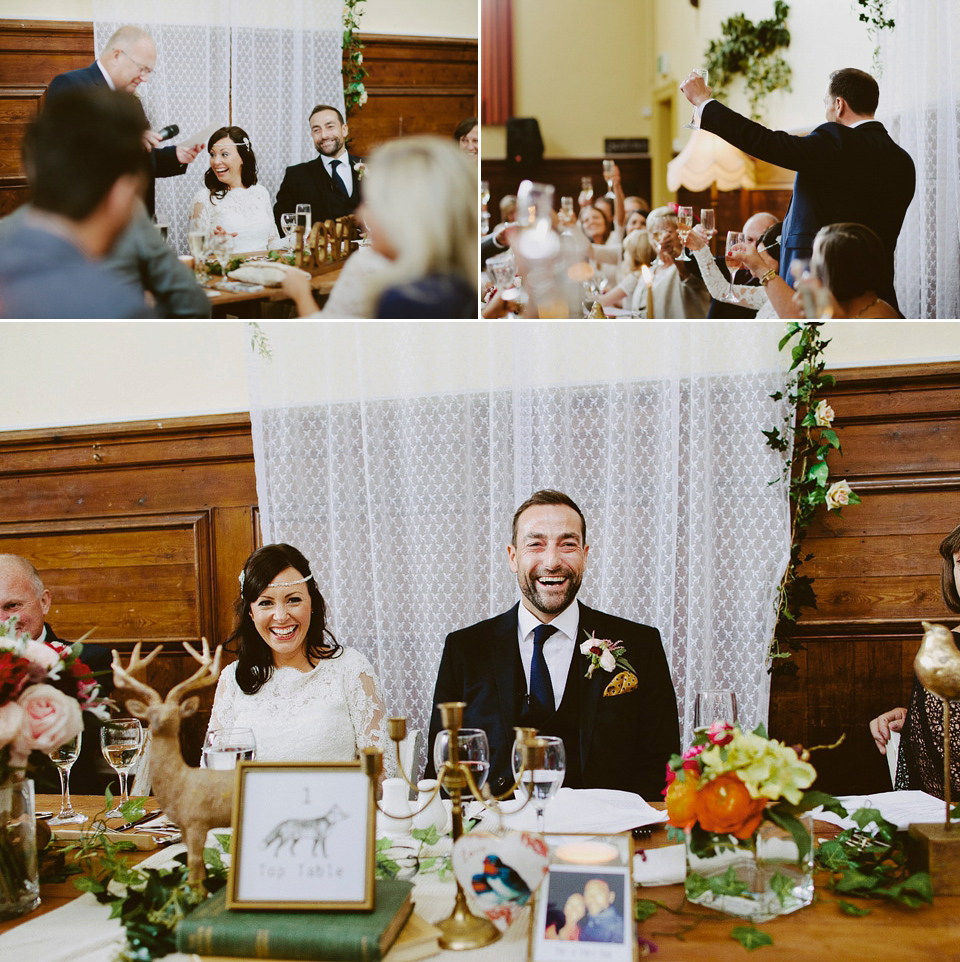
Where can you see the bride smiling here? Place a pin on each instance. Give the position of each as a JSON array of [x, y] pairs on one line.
[[232, 202]]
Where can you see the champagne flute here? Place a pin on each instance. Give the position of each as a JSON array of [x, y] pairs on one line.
[[608, 176], [121, 741], [586, 189], [197, 243], [567, 217], [684, 226], [473, 753], [708, 223], [162, 224], [704, 75], [484, 193], [64, 757], [540, 784], [714, 705], [224, 747], [733, 238], [305, 217]]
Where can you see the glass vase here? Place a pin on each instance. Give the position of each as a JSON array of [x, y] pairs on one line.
[[757, 879], [19, 879]]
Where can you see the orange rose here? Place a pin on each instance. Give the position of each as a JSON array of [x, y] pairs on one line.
[[724, 806], [681, 799]]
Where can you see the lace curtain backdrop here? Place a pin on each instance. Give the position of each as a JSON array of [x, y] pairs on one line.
[[259, 66], [920, 106], [394, 457]]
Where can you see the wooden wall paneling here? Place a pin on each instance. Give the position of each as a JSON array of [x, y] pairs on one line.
[[876, 567]]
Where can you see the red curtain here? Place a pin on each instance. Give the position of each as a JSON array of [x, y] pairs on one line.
[[496, 61]]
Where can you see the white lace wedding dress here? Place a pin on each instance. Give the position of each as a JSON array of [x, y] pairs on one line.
[[245, 211], [324, 715]]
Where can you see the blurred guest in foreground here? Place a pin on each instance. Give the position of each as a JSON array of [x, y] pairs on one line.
[[847, 261], [87, 165], [467, 136]]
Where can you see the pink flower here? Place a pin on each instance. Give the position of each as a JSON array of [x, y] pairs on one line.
[[720, 733], [690, 762], [11, 718], [50, 719], [44, 657]]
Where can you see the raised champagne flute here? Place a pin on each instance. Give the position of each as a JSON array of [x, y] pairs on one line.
[[224, 747], [64, 757], [684, 226], [484, 193], [473, 753], [732, 261], [704, 75], [608, 176], [586, 189], [708, 223], [540, 784], [121, 741]]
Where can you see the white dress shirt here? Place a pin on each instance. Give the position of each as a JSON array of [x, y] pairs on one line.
[[343, 169], [558, 649]]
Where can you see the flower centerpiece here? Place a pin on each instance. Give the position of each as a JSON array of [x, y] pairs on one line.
[[44, 687], [738, 799]]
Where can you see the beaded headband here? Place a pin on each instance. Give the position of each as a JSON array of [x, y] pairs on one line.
[[278, 584]]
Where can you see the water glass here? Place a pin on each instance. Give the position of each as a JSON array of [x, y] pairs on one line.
[[64, 757], [224, 747], [121, 741], [540, 784], [714, 705], [473, 753]]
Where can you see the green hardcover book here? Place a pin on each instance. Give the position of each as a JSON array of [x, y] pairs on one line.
[[213, 929]]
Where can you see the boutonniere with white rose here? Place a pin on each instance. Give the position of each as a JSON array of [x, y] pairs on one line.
[[605, 654], [360, 169]]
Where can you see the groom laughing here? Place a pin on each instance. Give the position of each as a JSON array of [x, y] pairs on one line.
[[531, 666]]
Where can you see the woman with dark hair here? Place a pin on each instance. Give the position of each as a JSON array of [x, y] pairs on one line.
[[920, 763], [232, 202], [305, 696], [467, 136]]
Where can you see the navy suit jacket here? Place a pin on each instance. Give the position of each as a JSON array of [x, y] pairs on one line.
[[310, 183], [625, 740], [857, 174], [163, 160]]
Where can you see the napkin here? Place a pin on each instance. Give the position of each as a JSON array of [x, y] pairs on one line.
[[603, 811], [265, 274], [901, 808], [660, 866]]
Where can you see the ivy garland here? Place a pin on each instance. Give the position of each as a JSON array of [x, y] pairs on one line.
[[354, 92], [805, 446], [751, 49], [873, 14]]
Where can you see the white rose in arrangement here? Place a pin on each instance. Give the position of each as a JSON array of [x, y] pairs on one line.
[[363, 97], [607, 661], [824, 414], [838, 494]]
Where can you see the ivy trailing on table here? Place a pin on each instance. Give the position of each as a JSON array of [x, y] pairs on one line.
[[805, 446], [751, 50]]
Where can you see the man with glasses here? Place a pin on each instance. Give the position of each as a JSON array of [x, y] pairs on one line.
[[127, 60]]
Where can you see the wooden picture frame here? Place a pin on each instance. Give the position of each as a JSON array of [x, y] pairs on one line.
[[303, 837]]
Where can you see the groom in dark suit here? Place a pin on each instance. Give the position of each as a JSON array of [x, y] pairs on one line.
[[526, 667], [330, 184], [848, 169]]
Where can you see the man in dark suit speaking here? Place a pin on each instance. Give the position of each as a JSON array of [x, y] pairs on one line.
[[848, 169], [330, 183], [127, 61], [527, 667]]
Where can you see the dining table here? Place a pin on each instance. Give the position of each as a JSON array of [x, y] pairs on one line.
[[249, 304], [69, 927]]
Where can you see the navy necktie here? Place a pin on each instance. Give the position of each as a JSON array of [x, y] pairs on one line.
[[541, 689], [335, 177]]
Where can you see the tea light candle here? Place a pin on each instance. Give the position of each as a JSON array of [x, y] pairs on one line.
[[587, 852]]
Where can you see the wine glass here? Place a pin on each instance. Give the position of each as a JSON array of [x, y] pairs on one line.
[[733, 238], [540, 784], [684, 226], [484, 193], [704, 75], [305, 217], [608, 176], [121, 741], [586, 189], [473, 753], [220, 245], [64, 757], [714, 705], [224, 747], [289, 224], [708, 223], [197, 243]]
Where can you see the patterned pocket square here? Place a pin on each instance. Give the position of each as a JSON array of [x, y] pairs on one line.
[[620, 684]]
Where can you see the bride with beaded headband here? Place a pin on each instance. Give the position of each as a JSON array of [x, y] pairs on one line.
[[231, 202], [305, 696]]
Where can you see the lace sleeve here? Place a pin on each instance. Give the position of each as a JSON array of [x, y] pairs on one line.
[[920, 763], [753, 297], [273, 235], [224, 710], [199, 218], [368, 714]]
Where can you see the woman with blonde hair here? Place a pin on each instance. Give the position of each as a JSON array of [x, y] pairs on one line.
[[637, 252]]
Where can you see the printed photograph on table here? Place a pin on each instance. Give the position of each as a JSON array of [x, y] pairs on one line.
[[584, 914], [303, 837]]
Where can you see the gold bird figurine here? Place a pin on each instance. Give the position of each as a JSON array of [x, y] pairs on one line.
[[938, 662]]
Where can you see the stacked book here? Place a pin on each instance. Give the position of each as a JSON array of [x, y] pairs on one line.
[[392, 932]]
